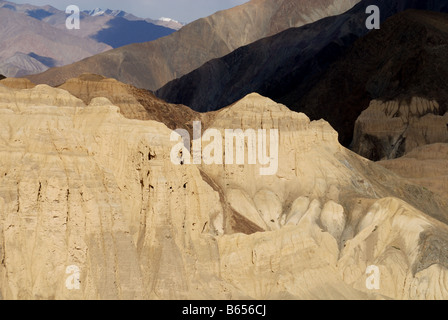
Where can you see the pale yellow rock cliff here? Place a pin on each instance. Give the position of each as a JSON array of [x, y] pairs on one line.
[[82, 185]]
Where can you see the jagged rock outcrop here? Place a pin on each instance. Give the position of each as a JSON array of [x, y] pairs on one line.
[[390, 129], [331, 177], [134, 103], [403, 60], [17, 83], [426, 165], [81, 185]]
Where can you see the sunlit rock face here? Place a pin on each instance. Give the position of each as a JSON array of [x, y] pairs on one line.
[[83, 186]]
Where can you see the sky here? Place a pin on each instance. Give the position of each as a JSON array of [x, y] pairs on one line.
[[180, 10]]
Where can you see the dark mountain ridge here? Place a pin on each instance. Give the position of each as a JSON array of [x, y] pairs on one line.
[[296, 68]]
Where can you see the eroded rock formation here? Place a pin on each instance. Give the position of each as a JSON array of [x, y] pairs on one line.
[[388, 130], [81, 185]]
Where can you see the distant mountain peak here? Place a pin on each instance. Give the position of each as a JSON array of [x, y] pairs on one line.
[[99, 12], [33, 29], [163, 21], [94, 12], [168, 20]]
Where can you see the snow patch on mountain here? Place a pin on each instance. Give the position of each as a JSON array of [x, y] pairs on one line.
[[168, 20]]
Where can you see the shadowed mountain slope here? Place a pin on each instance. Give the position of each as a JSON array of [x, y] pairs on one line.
[[120, 32], [317, 69], [151, 65]]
